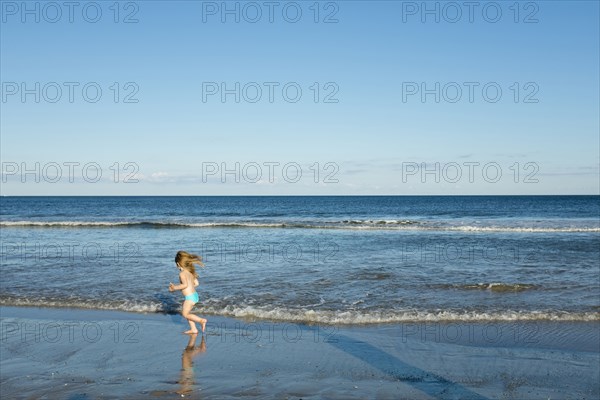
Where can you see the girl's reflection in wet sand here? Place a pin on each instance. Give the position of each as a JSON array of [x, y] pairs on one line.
[[187, 368]]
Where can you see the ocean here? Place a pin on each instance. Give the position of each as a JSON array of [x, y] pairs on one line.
[[311, 259]]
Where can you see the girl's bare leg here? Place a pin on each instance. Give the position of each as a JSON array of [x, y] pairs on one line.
[[187, 307], [192, 327]]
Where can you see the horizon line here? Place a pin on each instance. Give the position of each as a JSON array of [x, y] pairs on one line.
[[295, 195]]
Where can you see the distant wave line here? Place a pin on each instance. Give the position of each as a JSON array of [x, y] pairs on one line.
[[345, 224]]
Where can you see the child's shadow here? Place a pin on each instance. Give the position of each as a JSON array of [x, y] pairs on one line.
[[170, 306]]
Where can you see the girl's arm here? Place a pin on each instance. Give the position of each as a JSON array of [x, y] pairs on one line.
[[196, 283], [173, 287]]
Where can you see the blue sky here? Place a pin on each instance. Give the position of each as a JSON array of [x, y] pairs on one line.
[[376, 139]]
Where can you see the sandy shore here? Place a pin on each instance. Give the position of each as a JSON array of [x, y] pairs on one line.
[[84, 354]]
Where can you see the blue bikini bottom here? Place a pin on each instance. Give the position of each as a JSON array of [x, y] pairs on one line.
[[193, 297]]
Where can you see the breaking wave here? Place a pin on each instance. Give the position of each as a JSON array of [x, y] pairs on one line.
[[331, 317], [344, 224]]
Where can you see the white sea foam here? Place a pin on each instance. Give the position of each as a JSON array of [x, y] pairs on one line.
[[357, 225], [373, 317], [330, 317], [468, 228], [157, 224]]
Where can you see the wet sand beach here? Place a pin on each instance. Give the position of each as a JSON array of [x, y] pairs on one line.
[[84, 354]]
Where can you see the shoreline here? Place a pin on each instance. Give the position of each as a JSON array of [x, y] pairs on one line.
[[119, 354], [330, 318]]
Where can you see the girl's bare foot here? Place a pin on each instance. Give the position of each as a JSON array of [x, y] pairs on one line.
[[191, 332], [203, 323]]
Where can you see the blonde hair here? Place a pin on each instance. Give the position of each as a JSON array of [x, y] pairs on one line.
[[187, 260]]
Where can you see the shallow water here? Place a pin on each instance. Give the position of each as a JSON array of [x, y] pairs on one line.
[[333, 259]]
